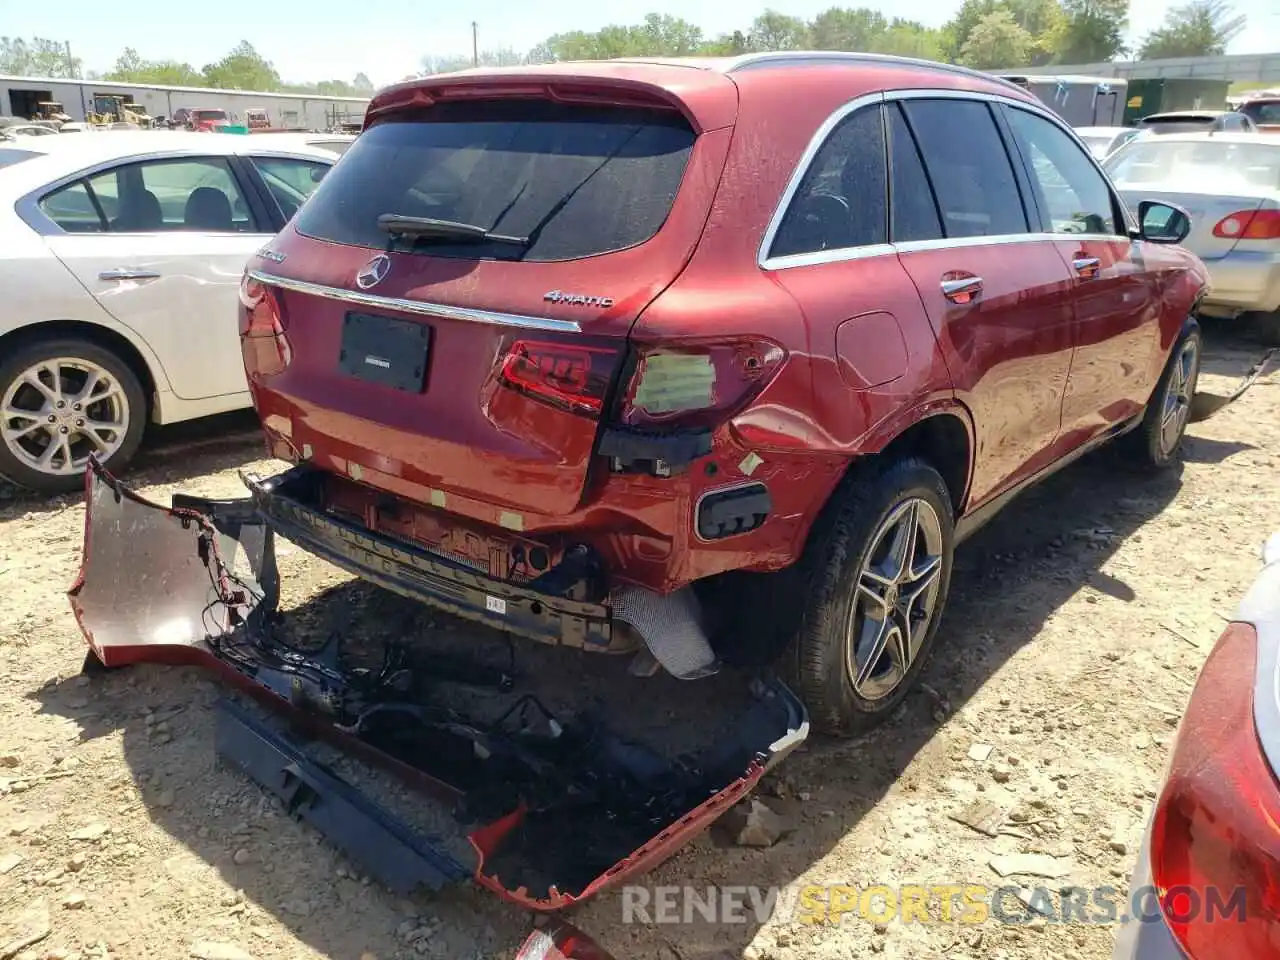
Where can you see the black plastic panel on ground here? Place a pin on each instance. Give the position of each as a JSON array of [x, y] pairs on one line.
[[384, 847]]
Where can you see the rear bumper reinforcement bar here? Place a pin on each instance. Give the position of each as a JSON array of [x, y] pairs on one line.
[[419, 575]]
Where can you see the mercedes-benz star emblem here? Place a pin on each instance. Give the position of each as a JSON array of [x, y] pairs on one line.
[[373, 272]]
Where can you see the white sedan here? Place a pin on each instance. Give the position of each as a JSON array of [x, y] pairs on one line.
[[120, 261], [1230, 185]]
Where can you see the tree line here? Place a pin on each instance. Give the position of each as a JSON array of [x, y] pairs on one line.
[[985, 34], [243, 68]]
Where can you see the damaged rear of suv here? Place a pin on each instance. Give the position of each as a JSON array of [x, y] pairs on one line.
[[460, 343], [581, 351]]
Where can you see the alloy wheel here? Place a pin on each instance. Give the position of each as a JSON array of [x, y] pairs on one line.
[[1176, 407], [895, 599], [58, 411]]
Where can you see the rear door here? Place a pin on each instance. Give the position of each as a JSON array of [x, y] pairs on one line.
[[831, 252], [597, 209], [1118, 350], [162, 245], [997, 294]]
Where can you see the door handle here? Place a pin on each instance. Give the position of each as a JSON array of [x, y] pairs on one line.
[[123, 273], [964, 289], [1087, 267]]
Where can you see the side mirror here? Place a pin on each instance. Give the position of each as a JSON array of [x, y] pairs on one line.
[[1162, 222], [317, 173]]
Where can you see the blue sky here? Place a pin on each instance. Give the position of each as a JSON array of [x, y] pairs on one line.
[[323, 39]]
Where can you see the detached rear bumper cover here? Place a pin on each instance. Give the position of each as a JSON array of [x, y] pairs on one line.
[[197, 583]]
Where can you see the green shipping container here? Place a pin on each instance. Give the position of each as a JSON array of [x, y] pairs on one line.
[[1146, 97]]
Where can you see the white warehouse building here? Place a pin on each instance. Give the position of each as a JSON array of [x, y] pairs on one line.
[[19, 96]]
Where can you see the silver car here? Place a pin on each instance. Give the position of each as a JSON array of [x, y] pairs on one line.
[[1230, 185], [1204, 885], [1104, 141]]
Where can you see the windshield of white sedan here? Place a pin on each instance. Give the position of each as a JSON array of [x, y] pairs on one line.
[[568, 181], [1171, 164]]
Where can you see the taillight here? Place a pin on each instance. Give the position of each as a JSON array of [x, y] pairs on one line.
[[265, 348], [1249, 225], [1215, 841], [570, 376], [699, 384], [262, 314]]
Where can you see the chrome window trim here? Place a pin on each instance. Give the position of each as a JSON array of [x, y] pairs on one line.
[[766, 262], [418, 307], [829, 256]]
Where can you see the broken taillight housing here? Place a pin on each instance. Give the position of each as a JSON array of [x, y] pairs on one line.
[[568, 375], [559, 941], [698, 385], [263, 343], [1215, 838]]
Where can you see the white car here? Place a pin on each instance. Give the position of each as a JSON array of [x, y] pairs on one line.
[[336, 143], [1229, 183], [120, 260], [1104, 141]]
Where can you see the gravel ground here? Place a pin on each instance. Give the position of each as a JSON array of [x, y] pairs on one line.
[[1077, 623]]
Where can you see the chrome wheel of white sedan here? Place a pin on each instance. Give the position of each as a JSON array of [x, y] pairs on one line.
[[62, 401], [59, 411]]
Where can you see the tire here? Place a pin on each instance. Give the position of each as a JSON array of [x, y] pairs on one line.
[[31, 421], [1157, 442], [843, 698], [1266, 327]]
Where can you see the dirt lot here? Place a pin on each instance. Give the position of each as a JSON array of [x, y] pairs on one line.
[[1078, 621]]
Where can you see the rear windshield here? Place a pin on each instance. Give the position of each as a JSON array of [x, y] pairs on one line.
[[1264, 111], [1174, 164], [211, 114], [574, 181]]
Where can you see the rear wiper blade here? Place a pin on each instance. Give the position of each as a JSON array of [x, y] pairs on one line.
[[443, 231]]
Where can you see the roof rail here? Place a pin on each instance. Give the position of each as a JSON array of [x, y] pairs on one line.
[[801, 57]]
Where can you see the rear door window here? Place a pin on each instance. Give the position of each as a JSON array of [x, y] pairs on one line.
[[841, 201], [199, 194], [73, 209], [574, 181], [968, 166]]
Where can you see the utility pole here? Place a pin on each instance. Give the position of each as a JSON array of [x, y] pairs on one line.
[[71, 64], [475, 45]]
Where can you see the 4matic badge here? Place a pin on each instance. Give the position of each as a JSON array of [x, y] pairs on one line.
[[577, 299]]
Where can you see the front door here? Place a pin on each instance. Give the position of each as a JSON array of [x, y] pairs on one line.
[[1118, 353], [162, 246], [997, 294]]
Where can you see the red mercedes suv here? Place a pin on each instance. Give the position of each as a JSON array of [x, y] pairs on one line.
[[707, 359]]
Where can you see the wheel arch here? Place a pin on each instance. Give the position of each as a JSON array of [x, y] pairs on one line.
[[939, 432], [106, 337], [943, 439]]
